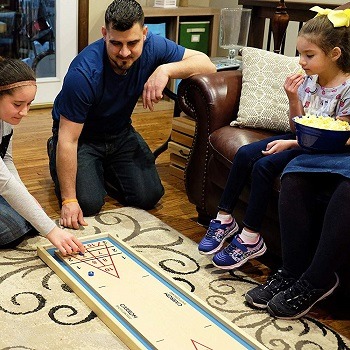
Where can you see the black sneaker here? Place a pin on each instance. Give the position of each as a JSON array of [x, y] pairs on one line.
[[261, 295], [297, 300]]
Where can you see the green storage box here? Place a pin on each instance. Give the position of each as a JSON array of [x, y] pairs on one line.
[[195, 35]]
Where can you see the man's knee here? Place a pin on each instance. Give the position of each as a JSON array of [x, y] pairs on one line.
[[91, 206], [146, 199]]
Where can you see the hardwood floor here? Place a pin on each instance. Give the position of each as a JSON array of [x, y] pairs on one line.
[[32, 164], [174, 209]]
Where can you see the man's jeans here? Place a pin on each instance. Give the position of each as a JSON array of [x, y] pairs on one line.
[[12, 225], [249, 164], [122, 165]]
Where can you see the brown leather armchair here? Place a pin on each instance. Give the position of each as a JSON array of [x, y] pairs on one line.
[[213, 100]]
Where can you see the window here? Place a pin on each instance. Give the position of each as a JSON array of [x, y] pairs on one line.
[[42, 33]]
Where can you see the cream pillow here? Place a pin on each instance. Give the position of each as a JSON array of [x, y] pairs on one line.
[[264, 103]]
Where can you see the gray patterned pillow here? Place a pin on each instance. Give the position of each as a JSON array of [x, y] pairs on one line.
[[264, 103]]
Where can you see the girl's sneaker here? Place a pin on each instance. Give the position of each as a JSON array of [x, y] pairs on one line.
[[216, 236], [260, 296], [237, 253], [297, 300]]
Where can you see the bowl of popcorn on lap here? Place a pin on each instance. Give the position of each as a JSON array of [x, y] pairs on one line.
[[321, 133]]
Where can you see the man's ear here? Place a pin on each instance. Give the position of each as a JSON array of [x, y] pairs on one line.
[[104, 32], [336, 53], [145, 31]]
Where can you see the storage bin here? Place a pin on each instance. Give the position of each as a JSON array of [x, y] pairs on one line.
[[157, 28], [195, 35]]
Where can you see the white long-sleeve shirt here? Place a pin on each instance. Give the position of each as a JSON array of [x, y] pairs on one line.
[[15, 193]]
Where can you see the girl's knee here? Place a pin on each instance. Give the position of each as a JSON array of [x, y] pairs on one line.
[[244, 153], [263, 168], [12, 233]]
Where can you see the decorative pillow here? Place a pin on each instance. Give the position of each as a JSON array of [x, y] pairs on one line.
[[264, 103]]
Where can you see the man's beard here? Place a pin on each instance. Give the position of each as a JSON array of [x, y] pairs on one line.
[[124, 65], [121, 65]]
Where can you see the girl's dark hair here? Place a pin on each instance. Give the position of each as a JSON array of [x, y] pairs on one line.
[[320, 31], [121, 15], [13, 71]]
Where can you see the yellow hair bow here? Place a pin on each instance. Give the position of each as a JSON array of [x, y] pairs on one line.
[[339, 18]]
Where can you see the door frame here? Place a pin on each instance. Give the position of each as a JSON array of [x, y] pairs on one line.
[[83, 24]]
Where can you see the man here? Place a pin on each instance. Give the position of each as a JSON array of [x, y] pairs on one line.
[[95, 149]]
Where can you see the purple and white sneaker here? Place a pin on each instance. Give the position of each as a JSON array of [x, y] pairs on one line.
[[216, 235], [237, 253]]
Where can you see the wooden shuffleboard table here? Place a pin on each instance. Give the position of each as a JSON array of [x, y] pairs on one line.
[[142, 305]]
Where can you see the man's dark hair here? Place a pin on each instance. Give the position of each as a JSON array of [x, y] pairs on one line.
[[121, 15]]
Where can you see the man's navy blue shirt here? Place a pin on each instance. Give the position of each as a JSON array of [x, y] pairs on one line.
[[93, 94]]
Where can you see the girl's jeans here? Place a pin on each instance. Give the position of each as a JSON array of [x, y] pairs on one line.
[[249, 164], [12, 225]]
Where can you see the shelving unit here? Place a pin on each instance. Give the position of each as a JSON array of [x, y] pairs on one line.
[[173, 16], [182, 134]]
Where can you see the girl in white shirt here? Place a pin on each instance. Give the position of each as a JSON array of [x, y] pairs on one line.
[[20, 213]]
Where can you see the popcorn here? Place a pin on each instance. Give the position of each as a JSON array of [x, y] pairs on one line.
[[323, 122]]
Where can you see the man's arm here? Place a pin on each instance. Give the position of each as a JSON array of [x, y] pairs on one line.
[[192, 63], [66, 164]]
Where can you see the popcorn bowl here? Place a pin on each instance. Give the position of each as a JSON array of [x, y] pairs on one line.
[[315, 139]]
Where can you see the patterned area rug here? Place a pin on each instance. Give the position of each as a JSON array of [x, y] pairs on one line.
[[38, 311]]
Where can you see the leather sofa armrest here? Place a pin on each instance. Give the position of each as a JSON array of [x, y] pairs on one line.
[[213, 97], [213, 101]]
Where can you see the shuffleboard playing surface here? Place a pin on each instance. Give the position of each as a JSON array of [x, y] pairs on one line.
[[145, 308]]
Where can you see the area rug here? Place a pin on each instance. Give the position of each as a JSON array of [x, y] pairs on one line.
[[38, 311]]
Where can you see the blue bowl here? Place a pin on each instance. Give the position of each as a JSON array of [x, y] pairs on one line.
[[320, 140]]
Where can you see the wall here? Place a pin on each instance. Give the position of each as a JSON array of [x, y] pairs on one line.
[[319, 2], [98, 7], [202, 3], [97, 10], [223, 3]]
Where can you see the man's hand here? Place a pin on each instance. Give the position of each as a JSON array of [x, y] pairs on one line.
[[72, 216], [65, 241], [279, 146], [153, 88]]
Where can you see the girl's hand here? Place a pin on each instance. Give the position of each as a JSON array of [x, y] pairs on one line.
[[65, 241], [346, 118], [292, 84], [277, 146]]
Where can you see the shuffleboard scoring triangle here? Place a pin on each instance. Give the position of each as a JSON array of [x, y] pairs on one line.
[[199, 346], [97, 255]]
